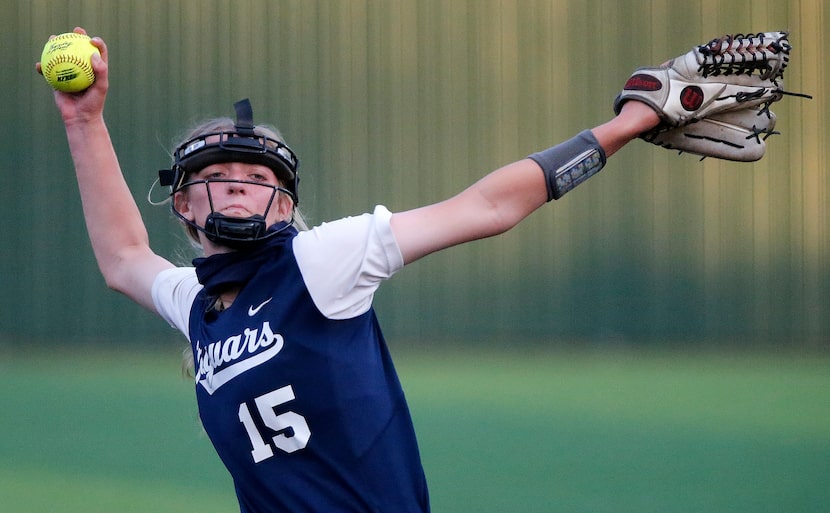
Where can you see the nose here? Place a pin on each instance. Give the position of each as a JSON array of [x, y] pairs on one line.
[[235, 184], [235, 187], [226, 187]]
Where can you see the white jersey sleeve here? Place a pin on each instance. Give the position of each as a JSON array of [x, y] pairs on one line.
[[343, 262], [174, 291]]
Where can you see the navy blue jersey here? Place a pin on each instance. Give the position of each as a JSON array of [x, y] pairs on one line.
[[307, 413]]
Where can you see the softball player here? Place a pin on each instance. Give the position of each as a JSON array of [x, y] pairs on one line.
[[294, 383]]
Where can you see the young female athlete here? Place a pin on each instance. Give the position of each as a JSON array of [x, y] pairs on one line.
[[294, 383]]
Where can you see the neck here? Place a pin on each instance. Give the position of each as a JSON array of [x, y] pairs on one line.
[[226, 299], [209, 248], [224, 272]]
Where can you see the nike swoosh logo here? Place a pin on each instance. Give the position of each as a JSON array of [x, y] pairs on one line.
[[252, 310]]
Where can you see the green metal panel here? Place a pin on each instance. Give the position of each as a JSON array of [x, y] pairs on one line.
[[406, 102]]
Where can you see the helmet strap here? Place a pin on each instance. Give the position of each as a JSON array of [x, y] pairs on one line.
[[244, 118]]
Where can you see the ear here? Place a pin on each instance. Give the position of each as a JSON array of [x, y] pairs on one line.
[[285, 205], [182, 206]]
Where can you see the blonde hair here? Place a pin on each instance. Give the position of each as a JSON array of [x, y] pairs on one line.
[[225, 124]]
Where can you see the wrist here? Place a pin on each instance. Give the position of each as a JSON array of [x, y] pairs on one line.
[[637, 117], [83, 121]]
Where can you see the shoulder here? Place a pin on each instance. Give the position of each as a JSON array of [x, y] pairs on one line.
[[366, 234], [340, 232], [344, 261], [173, 292], [176, 278]]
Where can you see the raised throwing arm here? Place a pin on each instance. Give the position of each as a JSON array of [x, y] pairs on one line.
[[116, 230]]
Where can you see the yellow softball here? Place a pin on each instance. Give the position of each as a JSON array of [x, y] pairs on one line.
[[66, 62]]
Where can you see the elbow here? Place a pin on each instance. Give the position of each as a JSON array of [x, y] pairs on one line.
[[503, 223], [117, 270], [113, 281], [488, 223], [498, 213], [500, 219]]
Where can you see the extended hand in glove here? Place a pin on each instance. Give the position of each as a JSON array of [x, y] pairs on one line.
[[715, 100]]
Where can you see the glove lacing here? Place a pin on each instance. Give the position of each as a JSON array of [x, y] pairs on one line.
[[744, 54]]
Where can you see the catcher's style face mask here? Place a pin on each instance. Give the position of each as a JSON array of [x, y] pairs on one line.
[[240, 145]]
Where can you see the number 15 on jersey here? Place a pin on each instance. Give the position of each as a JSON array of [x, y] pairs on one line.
[[292, 433]]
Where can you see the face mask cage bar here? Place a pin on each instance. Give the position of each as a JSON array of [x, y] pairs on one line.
[[242, 145], [235, 232]]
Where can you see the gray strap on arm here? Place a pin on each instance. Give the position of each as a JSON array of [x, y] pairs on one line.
[[570, 163]]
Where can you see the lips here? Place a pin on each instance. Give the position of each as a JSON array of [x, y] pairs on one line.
[[236, 211]]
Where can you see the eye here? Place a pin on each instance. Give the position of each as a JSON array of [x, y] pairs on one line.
[[211, 174]]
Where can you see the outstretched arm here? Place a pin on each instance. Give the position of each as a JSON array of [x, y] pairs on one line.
[[503, 198], [116, 230]]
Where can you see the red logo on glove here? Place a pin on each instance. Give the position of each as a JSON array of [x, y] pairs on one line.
[[642, 82], [691, 98]]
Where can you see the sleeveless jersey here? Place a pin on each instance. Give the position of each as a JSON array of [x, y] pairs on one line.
[[305, 411]]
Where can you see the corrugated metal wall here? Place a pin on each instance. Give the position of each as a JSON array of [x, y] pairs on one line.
[[407, 102]]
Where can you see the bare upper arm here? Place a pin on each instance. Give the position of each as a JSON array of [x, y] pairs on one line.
[[489, 207]]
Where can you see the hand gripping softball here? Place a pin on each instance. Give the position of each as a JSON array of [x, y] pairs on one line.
[[715, 99]]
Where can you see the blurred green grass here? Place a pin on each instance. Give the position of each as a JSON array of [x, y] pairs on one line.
[[102, 431]]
